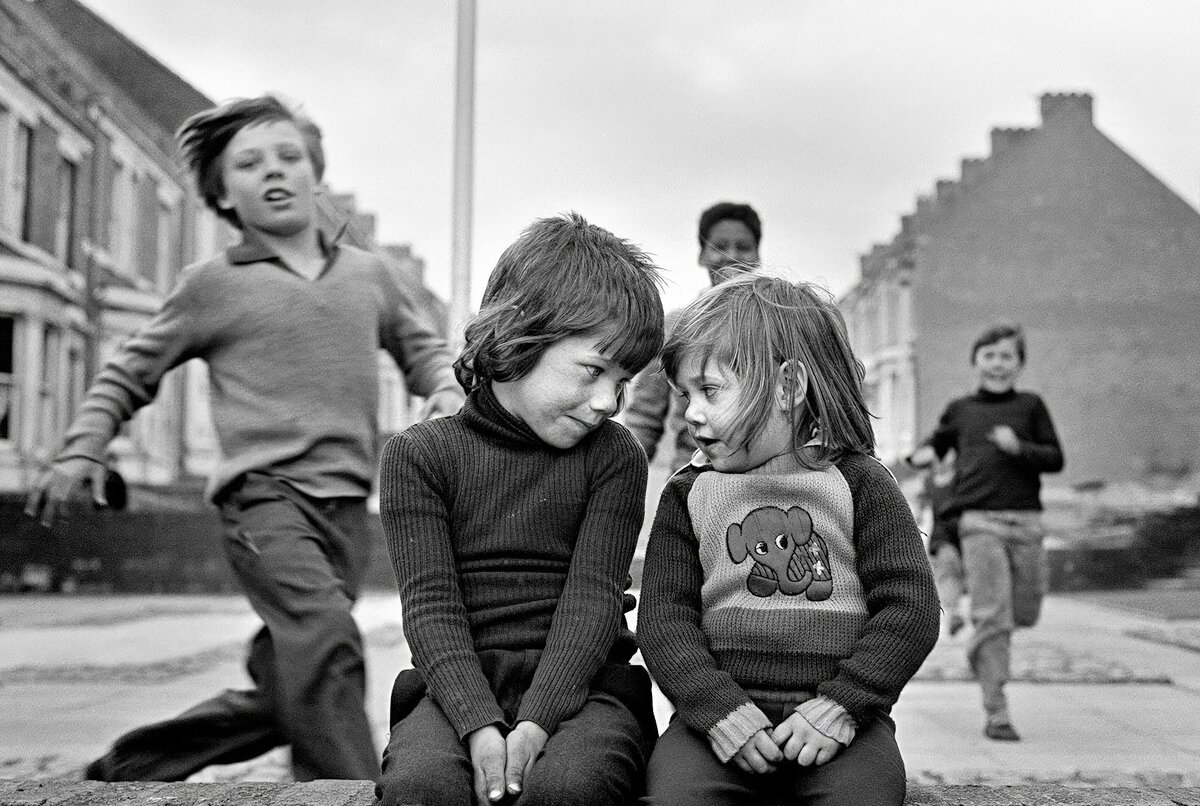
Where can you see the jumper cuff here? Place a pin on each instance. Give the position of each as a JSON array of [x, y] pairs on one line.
[[78, 454], [727, 736], [829, 718]]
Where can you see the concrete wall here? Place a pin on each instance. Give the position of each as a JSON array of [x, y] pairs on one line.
[[361, 793]]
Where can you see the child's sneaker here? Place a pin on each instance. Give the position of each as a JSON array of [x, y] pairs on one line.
[[1001, 731]]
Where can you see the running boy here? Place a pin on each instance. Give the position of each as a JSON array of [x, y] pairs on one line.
[[787, 597], [511, 527], [289, 323], [1005, 440]]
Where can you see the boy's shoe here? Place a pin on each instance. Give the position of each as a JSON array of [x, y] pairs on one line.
[[956, 623], [1001, 731]]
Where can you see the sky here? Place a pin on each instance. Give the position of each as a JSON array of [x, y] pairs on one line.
[[829, 117]]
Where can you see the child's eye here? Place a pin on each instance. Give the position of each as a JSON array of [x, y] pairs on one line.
[[290, 155], [245, 163], [593, 370]]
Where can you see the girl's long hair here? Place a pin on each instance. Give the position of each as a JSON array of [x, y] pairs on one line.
[[752, 324]]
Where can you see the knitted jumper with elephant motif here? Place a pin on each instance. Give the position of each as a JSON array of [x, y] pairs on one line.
[[785, 584]]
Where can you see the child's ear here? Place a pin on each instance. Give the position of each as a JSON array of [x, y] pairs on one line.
[[791, 385]]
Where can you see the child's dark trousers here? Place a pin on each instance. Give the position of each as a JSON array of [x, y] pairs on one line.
[[685, 770], [596, 756], [301, 561]]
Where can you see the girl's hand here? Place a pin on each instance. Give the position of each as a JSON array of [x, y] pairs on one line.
[[804, 744], [488, 754], [759, 754], [524, 744]]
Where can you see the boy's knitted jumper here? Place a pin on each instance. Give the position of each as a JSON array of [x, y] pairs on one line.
[[292, 365], [985, 477], [499, 541], [787, 584]]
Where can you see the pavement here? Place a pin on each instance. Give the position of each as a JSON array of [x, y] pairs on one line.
[[1104, 694], [1106, 688]]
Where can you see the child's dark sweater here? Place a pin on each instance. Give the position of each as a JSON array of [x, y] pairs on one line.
[[847, 619], [985, 477], [499, 541]]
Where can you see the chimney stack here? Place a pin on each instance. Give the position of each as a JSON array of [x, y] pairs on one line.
[[1066, 107]]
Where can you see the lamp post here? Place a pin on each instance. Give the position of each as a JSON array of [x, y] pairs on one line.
[[464, 153]]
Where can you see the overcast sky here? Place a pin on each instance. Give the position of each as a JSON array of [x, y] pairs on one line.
[[829, 117]]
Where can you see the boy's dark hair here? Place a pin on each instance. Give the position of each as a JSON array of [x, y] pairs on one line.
[[753, 323], [729, 211], [997, 331], [563, 277], [204, 136]]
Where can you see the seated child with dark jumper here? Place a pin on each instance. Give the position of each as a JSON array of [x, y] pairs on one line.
[[787, 596], [511, 526]]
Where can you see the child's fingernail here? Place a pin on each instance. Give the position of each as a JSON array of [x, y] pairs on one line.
[[495, 794], [514, 789]]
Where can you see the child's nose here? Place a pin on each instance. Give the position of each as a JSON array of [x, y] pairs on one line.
[[606, 398]]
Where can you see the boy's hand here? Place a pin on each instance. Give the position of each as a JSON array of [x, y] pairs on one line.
[[525, 743], [802, 743], [1004, 438], [923, 456], [56, 487], [759, 754], [488, 754], [442, 403]]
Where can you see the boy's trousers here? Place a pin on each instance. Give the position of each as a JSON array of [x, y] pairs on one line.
[[685, 771], [301, 561], [949, 577], [596, 756], [1006, 579]]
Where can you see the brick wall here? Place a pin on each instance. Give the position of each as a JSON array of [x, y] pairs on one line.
[[1067, 234]]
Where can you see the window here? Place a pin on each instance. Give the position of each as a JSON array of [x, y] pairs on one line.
[[8, 388], [64, 225], [22, 182], [120, 227], [167, 233], [75, 371], [5, 164], [49, 391]]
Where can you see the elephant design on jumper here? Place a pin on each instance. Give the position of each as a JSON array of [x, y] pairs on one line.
[[789, 556]]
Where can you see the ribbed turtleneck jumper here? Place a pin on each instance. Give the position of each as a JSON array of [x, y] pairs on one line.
[[985, 477], [500, 541]]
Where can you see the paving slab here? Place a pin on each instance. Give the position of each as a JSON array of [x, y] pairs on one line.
[[75, 672]]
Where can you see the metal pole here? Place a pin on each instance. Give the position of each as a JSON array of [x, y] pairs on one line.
[[464, 154]]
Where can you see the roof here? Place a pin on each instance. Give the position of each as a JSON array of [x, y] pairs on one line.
[[166, 98]]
